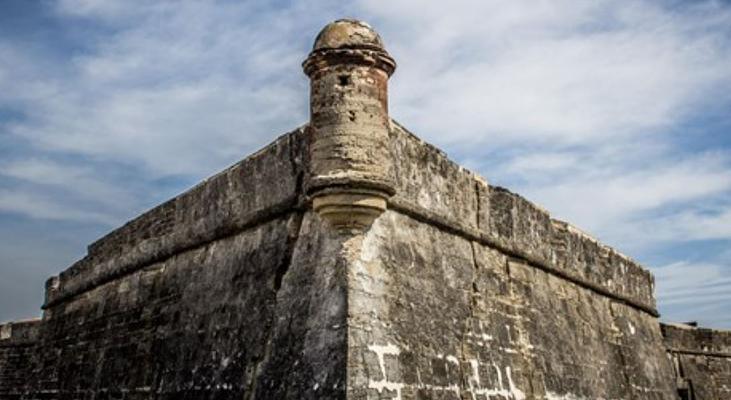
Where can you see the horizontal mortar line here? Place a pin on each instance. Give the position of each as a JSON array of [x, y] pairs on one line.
[[442, 223], [284, 208], [699, 352]]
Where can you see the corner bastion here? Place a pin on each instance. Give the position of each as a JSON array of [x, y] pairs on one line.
[[351, 260]]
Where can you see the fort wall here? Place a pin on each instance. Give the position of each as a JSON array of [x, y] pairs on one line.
[[17, 349], [261, 187], [701, 360], [214, 294], [464, 290], [435, 190], [304, 272], [201, 300]]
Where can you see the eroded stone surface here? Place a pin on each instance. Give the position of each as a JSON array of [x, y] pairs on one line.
[[349, 124], [461, 320], [17, 351], [434, 189], [701, 360], [348, 33]]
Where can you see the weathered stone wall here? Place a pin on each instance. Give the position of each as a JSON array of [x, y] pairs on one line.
[[263, 185], [460, 290], [221, 292], [463, 320], [235, 290], [701, 359], [433, 189], [468, 291], [17, 349], [225, 320]]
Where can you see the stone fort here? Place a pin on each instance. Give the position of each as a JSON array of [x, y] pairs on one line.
[[349, 259]]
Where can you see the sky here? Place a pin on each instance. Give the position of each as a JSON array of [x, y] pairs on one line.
[[612, 114]]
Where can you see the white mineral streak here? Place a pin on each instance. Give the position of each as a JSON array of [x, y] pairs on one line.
[[382, 384], [481, 338], [473, 382], [517, 394], [499, 376], [511, 392]]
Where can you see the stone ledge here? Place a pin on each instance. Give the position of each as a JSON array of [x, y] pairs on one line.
[[699, 353], [686, 339]]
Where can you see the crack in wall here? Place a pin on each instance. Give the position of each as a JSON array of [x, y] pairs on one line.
[[473, 299], [523, 343], [282, 269]]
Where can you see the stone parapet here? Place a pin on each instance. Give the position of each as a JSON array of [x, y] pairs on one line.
[[262, 186], [688, 339], [430, 187], [20, 333]]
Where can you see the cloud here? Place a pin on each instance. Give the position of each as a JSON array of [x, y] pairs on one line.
[[565, 72], [109, 11], [176, 89], [71, 190], [695, 291], [47, 172], [598, 194], [38, 206]]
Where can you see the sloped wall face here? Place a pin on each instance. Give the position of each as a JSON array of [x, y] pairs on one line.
[[434, 315], [227, 320], [702, 361]]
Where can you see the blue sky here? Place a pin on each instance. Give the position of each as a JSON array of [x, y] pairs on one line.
[[613, 115]]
